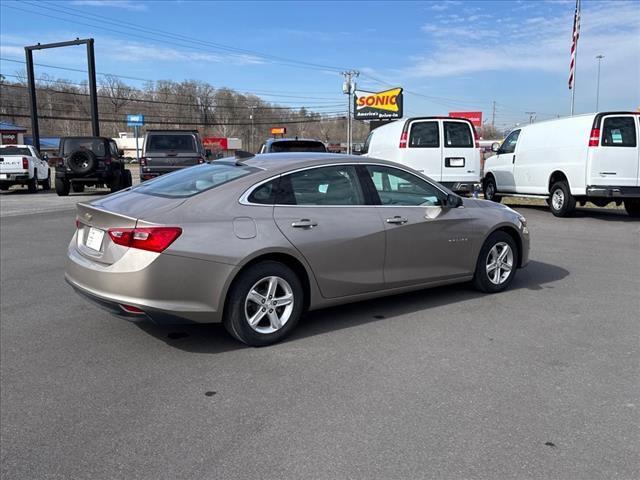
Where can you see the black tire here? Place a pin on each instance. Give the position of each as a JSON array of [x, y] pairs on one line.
[[491, 190], [481, 278], [5, 186], [82, 162], [46, 183], [77, 187], [565, 203], [62, 187], [632, 206], [235, 318], [116, 182], [128, 179], [32, 185]]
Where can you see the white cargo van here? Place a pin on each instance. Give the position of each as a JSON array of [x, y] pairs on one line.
[[443, 148], [593, 157]]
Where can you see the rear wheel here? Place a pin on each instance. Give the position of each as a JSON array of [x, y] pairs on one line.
[[497, 263], [632, 206], [264, 304], [46, 183], [491, 190], [62, 187], [32, 185], [77, 187], [5, 186], [561, 202]]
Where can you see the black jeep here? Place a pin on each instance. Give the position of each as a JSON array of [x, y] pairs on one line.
[[89, 161]]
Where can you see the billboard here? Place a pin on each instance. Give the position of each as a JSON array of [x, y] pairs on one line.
[[475, 117], [384, 105]]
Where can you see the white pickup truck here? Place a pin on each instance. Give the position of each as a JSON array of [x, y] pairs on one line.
[[23, 165]]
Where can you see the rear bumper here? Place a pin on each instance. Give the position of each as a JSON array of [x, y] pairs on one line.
[[147, 173], [14, 177], [462, 187], [612, 191], [168, 289]]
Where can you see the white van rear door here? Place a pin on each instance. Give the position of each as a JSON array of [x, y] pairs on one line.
[[423, 152], [461, 158], [615, 162]]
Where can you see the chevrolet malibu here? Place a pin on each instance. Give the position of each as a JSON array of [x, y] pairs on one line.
[[255, 241]]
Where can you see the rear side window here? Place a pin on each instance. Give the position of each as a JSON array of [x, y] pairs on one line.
[[424, 135], [96, 145], [457, 135], [177, 143], [334, 185], [619, 132], [191, 181], [265, 194], [6, 151], [367, 143], [298, 146]]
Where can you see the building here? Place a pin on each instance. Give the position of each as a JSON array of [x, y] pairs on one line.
[[222, 146], [11, 134]]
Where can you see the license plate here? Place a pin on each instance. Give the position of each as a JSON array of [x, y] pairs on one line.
[[3, 176], [94, 239]]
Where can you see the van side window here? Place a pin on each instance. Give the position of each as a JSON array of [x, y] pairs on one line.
[[424, 135], [509, 145], [619, 132], [367, 143], [457, 135]]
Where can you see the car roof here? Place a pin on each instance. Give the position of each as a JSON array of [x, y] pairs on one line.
[[15, 145], [275, 163], [274, 140]]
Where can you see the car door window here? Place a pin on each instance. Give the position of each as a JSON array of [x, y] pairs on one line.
[[619, 132], [457, 135], [113, 149], [400, 188], [424, 135], [333, 185], [509, 145]]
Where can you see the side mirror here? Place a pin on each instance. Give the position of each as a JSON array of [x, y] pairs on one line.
[[453, 201], [495, 146], [120, 152], [45, 157]]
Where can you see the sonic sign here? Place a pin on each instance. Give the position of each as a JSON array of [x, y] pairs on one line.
[[377, 105]]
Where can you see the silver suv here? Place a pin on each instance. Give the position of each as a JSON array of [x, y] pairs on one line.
[[166, 151]]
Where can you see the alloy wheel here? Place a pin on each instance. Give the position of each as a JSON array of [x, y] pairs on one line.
[[269, 304], [499, 263], [557, 199]]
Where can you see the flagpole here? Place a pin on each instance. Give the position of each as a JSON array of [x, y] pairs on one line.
[[576, 34]]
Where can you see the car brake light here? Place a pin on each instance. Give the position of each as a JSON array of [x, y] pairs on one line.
[[131, 309], [153, 239], [77, 224], [403, 140], [25, 163], [594, 140]]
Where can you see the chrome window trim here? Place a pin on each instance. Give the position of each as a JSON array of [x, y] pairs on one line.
[[243, 200]]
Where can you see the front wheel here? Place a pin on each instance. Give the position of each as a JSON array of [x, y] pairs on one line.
[[116, 182], [561, 202], [46, 183], [497, 263], [632, 206], [491, 190], [264, 304]]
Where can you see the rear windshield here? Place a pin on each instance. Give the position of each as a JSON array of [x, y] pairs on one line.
[[193, 180], [6, 151], [457, 135], [298, 146], [96, 145], [176, 143]]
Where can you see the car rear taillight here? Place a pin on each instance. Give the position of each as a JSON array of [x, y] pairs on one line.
[[25, 163], [594, 139], [107, 160], [131, 309], [143, 161], [153, 239], [403, 140]]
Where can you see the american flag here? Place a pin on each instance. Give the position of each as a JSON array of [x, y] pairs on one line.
[[574, 44]]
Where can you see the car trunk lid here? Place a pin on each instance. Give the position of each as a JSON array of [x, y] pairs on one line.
[[11, 164]]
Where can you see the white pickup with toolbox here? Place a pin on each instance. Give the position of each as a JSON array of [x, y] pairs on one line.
[[593, 157], [23, 165]]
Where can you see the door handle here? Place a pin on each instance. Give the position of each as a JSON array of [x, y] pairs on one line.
[[304, 223], [397, 220], [514, 159]]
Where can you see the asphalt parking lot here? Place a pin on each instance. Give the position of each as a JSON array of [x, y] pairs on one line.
[[540, 381]]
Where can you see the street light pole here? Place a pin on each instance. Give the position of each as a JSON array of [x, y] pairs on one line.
[[347, 89], [599, 58]]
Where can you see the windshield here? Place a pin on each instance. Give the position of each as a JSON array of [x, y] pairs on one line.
[[6, 151], [96, 145], [193, 180], [177, 143], [298, 146]]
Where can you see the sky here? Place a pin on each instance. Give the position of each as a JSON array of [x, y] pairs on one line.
[[447, 55]]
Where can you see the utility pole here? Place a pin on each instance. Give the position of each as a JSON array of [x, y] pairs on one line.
[[532, 116], [348, 88], [493, 115], [599, 58]]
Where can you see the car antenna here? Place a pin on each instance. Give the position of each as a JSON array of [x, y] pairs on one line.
[[242, 155]]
